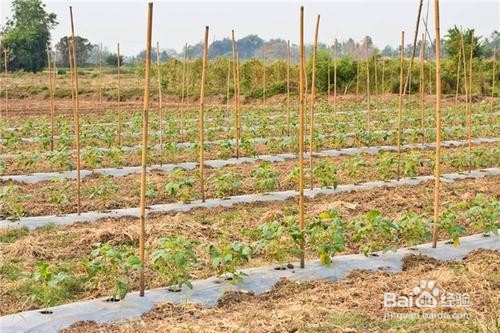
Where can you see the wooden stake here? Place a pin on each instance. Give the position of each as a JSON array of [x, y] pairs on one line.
[[493, 80], [264, 77], [328, 60], [76, 106], [469, 116], [183, 88], [335, 77], [408, 77], [51, 92], [383, 76], [144, 157], [368, 84], [118, 102], [357, 78], [288, 88], [422, 90], [464, 62], [238, 118], [375, 77], [228, 86], [100, 77], [160, 101], [6, 75], [458, 76], [400, 100], [202, 109], [437, 175], [235, 83], [301, 133], [313, 97]]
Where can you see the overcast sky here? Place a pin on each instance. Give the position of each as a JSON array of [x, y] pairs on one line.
[[178, 22]]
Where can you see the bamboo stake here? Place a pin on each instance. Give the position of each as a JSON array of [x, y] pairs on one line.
[[288, 89], [76, 106], [118, 110], [328, 60], [400, 99], [421, 88], [51, 92], [383, 76], [335, 77], [238, 125], [469, 116], [408, 77], [368, 84], [493, 80], [264, 77], [6, 74], [183, 88], [228, 85], [357, 78], [301, 134], [313, 97], [437, 176], [160, 101], [202, 109], [375, 70], [144, 157], [458, 76], [466, 82], [235, 83], [100, 77]]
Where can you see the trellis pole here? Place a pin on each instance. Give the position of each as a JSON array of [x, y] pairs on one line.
[[383, 76], [235, 83], [238, 118], [160, 101], [288, 88], [400, 109], [368, 85], [228, 86], [493, 80], [301, 134], [466, 82], [313, 97], [422, 90], [263, 77], [437, 175], [118, 102], [183, 89], [100, 77], [328, 60], [357, 78], [6, 76], [469, 115], [144, 159], [51, 92], [335, 76], [76, 112], [458, 76], [201, 120]]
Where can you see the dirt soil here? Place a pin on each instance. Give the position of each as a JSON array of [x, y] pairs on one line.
[[353, 304]]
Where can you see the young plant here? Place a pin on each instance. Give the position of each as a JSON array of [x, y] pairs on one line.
[[373, 232], [326, 236], [484, 214], [413, 229], [173, 259], [411, 162], [385, 164], [92, 157], [180, 187], [112, 265], [11, 203], [58, 191], [226, 257], [273, 240], [448, 223], [266, 178], [326, 174], [225, 184], [248, 147]]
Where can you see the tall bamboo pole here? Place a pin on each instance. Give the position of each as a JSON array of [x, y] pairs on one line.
[[408, 77], [313, 97], [100, 77], [422, 90], [301, 133], [235, 83], [183, 89], [400, 110], [144, 157], [466, 82], [493, 80], [469, 116], [357, 78], [76, 106], [6, 76], [368, 84], [383, 76], [288, 88], [51, 92], [228, 86], [458, 76], [160, 101], [335, 77], [328, 60], [437, 175], [118, 102], [238, 118], [263, 77], [375, 77], [202, 109]]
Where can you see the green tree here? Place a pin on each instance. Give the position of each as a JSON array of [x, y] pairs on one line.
[[83, 50], [27, 34], [112, 60], [452, 43]]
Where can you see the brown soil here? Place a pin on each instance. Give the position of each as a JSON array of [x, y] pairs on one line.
[[353, 304]]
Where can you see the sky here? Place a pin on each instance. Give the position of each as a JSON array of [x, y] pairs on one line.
[[178, 22]]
